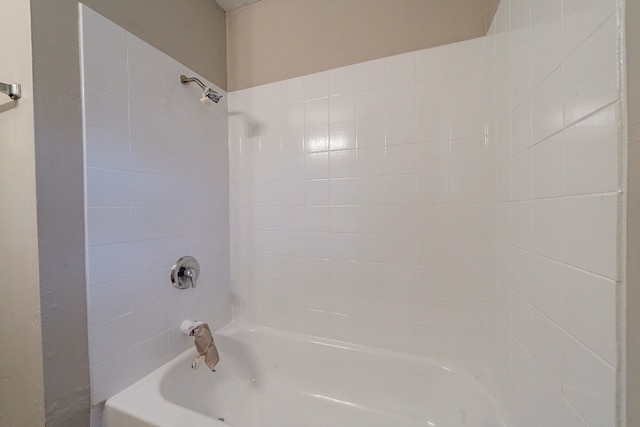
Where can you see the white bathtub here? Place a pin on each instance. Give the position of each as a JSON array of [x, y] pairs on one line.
[[269, 378]]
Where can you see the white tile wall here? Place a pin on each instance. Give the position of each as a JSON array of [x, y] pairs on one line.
[[554, 242], [376, 234], [156, 189], [401, 203]]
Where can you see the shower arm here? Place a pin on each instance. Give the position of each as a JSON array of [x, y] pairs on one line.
[[184, 80], [208, 94]]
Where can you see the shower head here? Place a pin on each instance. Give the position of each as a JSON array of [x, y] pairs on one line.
[[208, 95]]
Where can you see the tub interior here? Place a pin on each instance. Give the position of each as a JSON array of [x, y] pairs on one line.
[[267, 378]]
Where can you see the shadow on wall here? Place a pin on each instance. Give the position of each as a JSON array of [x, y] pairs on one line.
[[252, 127]]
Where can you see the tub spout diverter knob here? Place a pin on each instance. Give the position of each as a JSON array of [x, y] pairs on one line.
[[185, 272]]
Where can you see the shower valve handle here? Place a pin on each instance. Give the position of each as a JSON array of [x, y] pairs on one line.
[[185, 272], [189, 273]]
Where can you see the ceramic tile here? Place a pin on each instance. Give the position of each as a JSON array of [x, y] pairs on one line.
[[591, 74], [400, 97], [369, 75], [592, 321], [316, 86], [400, 159], [429, 157], [588, 383], [292, 91], [547, 115], [316, 192], [342, 80], [468, 187], [107, 188], [111, 337], [591, 154], [400, 189], [468, 88], [106, 383], [370, 219], [468, 155], [144, 89], [548, 171], [547, 228], [370, 161], [432, 94], [401, 129], [342, 107], [109, 301], [106, 111], [316, 165], [520, 51], [433, 125], [522, 176], [108, 225], [143, 57], [432, 188], [342, 164], [370, 133], [149, 288], [316, 113], [521, 127], [105, 73], [433, 64], [586, 246], [106, 149], [468, 122], [546, 21], [580, 20], [98, 33], [370, 103], [342, 191]]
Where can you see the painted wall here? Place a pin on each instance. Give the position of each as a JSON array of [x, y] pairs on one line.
[[359, 203], [192, 32], [273, 40], [632, 11], [59, 189], [21, 377], [555, 247], [157, 188], [59, 153]]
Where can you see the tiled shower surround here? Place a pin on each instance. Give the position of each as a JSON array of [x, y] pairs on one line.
[[555, 168], [156, 189], [359, 203], [459, 202]]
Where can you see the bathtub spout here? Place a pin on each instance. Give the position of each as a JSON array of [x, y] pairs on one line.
[[189, 326], [204, 342]]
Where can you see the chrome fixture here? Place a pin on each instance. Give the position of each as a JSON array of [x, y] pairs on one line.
[[208, 94], [185, 272], [13, 90]]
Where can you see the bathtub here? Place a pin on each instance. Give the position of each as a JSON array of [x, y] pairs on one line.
[[270, 378]]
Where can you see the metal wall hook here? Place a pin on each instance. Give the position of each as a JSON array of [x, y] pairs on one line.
[[13, 90]]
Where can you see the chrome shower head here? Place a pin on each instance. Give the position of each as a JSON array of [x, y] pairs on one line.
[[208, 95], [211, 94]]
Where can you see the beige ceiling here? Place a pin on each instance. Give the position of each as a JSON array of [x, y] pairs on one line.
[[275, 40]]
